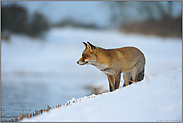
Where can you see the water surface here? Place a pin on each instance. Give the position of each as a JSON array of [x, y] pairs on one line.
[[21, 95]]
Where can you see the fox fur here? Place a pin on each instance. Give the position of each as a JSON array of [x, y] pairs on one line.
[[112, 62]]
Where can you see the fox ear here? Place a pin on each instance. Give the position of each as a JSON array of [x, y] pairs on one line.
[[85, 45], [90, 46]]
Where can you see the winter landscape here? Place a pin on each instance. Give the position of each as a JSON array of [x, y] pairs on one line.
[[157, 98], [42, 41]]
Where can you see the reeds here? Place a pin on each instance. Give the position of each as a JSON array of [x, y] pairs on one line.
[[38, 112]]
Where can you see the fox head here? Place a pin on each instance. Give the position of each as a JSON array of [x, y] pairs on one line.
[[89, 54]]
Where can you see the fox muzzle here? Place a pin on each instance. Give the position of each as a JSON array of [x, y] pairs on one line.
[[82, 63]]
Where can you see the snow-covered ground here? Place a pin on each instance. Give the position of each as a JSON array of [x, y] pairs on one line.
[[33, 60], [155, 99]]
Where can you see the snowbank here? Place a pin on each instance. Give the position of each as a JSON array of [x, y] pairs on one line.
[[156, 98]]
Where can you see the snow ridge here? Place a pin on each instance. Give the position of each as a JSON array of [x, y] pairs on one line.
[[158, 98]]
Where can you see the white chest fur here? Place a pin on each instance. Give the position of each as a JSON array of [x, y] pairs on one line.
[[104, 68]]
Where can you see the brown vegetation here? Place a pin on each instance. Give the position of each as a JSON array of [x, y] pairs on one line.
[[166, 27], [38, 112]]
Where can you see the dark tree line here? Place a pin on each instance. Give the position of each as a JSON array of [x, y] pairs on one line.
[[15, 19]]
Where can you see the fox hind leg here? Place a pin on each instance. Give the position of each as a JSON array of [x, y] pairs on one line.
[[129, 82], [127, 78], [137, 73], [141, 75]]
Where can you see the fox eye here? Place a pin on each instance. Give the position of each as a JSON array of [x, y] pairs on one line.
[[84, 56]]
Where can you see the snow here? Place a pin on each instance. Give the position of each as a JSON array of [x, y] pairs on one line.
[[157, 98], [52, 61]]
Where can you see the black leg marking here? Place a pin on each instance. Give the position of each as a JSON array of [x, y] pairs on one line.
[[130, 82], [124, 85], [110, 88]]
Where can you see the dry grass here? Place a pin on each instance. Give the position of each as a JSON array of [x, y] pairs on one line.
[[95, 90], [37, 112]]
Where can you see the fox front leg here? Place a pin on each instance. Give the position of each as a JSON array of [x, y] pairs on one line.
[[117, 81], [111, 82]]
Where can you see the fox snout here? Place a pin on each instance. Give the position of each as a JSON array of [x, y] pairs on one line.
[[82, 62]]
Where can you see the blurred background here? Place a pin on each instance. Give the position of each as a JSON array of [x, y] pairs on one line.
[[34, 18], [41, 42]]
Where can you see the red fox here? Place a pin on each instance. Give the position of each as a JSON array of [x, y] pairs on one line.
[[113, 62]]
